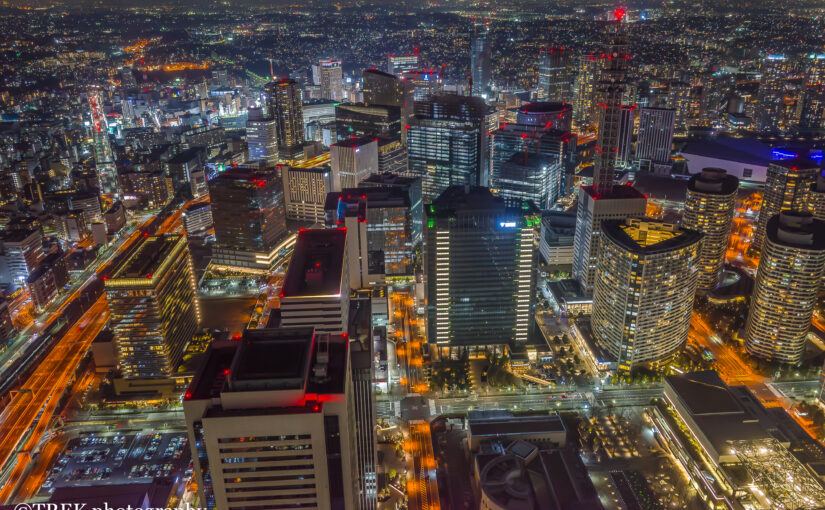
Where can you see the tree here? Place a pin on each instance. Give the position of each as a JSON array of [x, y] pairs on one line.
[[392, 474]]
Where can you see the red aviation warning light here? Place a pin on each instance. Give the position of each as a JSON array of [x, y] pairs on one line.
[[619, 13]]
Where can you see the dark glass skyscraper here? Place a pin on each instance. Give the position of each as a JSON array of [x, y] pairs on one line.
[[480, 60], [480, 270], [249, 217], [448, 142], [285, 105]]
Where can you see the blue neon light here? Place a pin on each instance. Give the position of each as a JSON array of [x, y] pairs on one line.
[[780, 154]]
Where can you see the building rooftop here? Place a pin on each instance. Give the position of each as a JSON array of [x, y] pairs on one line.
[[661, 188], [714, 181], [148, 258], [544, 107], [797, 230], [512, 425], [467, 199], [646, 236], [741, 150], [317, 264], [273, 359], [356, 141], [185, 156], [618, 191]]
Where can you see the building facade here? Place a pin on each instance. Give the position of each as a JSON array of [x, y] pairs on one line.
[[787, 282], [480, 268], [645, 284], [709, 208]]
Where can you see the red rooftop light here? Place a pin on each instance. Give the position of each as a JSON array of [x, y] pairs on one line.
[[619, 13]]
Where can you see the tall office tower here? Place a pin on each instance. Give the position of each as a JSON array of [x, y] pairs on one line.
[[316, 286], [331, 79], [627, 116], [584, 102], [533, 150], [554, 79], [367, 120], [480, 60], [285, 105], [812, 110], [363, 375], [604, 200], [353, 160], [775, 71], [678, 98], [709, 206], [611, 90], [448, 142], [262, 137], [386, 89], [305, 192], [787, 282], [154, 310], [646, 280], [411, 187], [655, 139], [392, 233], [480, 270], [397, 65], [269, 420], [250, 223], [787, 185], [425, 83]]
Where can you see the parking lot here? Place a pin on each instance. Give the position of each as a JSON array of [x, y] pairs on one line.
[[118, 458]]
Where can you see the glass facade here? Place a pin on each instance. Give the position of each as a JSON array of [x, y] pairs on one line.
[[153, 308], [480, 267]]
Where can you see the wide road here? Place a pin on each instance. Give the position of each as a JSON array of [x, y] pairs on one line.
[[29, 413], [422, 486]]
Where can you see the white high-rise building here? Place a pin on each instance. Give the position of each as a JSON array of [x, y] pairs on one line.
[[330, 76], [270, 422], [655, 138], [353, 160], [262, 137]]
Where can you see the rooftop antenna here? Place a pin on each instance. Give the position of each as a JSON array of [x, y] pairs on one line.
[[271, 71]]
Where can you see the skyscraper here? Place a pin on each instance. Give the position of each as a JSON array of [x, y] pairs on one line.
[[269, 420], [709, 206], [331, 79], [305, 192], [812, 110], [425, 83], [285, 105], [480, 60], [391, 214], [678, 99], [787, 185], [655, 138], [316, 287], [385, 89], [249, 217], [648, 271], [353, 160], [816, 197], [480, 268], [775, 71], [787, 282], [154, 308], [588, 69], [604, 200], [553, 80], [448, 142], [262, 137], [529, 158], [367, 120]]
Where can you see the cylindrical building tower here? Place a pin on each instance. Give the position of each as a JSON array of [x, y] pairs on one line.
[[709, 205], [787, 282]]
